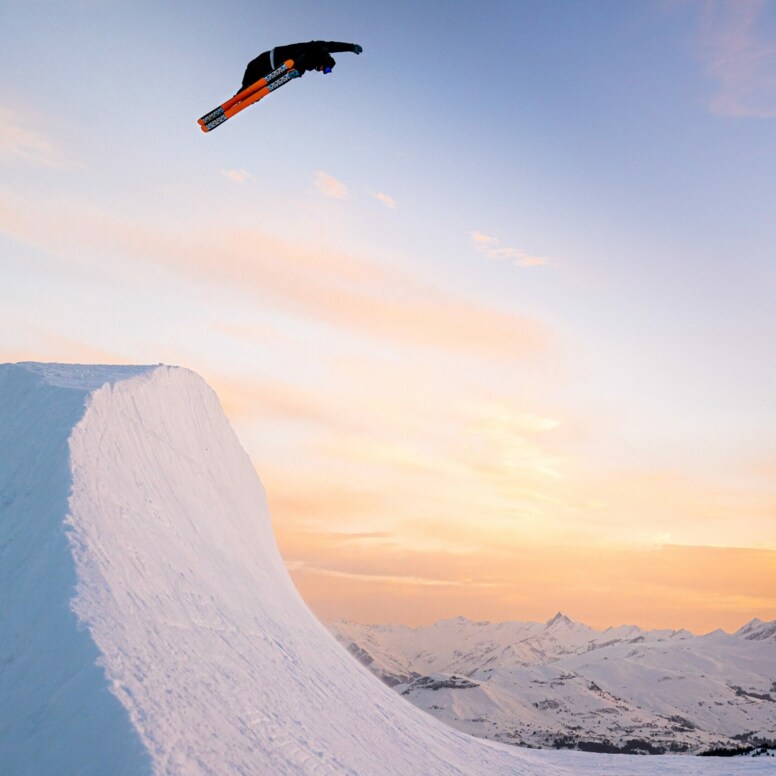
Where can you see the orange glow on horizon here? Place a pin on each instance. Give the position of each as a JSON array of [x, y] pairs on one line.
[[374, 580]]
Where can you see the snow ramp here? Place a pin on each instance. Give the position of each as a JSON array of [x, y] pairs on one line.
[[148, 624]]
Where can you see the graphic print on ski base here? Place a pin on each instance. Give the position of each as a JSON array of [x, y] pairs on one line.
[[252, 94]]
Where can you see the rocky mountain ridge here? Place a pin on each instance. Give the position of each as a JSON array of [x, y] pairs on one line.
[[564, 684]]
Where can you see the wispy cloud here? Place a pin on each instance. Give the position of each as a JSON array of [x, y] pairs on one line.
[[414, 581], [507, 444], [355, 293], [251, 398], [20, 139], [740, 57], [356, 536], [238, 176], [491, 247], [385, 199], [44, 344], [251, 332], [329, 186], [600, 585]]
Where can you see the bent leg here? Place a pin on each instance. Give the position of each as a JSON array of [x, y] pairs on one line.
[[256, 69]]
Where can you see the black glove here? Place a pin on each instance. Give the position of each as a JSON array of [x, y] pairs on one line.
[[357, 49]]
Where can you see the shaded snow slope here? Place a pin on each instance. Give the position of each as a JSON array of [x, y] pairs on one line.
[[148, 625], [55, 704]]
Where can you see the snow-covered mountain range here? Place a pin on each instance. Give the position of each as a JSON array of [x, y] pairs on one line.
[[562, 683], [148, 624]]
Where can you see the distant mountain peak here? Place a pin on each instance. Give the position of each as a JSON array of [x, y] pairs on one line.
[[458, 620], [757, 630], [559, 619], [462, 619]]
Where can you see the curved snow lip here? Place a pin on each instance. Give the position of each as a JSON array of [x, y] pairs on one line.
[[84, 377]]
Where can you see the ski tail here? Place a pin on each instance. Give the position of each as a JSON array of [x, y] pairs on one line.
[[261, 84], [223, 115]]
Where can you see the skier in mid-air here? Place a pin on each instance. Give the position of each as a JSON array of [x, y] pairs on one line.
[[271, 69], [315, 55]]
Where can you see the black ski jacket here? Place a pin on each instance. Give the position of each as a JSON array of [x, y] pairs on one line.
[[306, 56]]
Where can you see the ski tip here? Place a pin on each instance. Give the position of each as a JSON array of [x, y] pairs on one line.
[[216, 122], [214, 114]]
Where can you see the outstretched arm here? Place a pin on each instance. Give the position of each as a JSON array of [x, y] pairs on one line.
[[333, 46]]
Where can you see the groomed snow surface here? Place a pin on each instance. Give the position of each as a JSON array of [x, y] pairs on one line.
[[148, 625]]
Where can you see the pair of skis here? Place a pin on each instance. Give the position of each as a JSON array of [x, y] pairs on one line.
[[248, 96]]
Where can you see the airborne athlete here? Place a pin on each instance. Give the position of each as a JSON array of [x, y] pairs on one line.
[[272, 69], [315, 55]]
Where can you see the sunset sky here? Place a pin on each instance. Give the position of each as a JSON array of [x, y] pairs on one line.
[[492, 307]]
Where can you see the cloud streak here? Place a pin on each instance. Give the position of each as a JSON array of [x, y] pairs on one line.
[[490, 247], [738, 56], [256, 398], [391, 579], [329, 186], [237, 176], [355, 294], [699, 588], [20, 141], [389, 202], [48, 345]]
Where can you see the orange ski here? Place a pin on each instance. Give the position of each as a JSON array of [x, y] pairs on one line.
[[249, 96]]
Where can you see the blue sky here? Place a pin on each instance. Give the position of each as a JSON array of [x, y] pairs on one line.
[[505, 279]]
